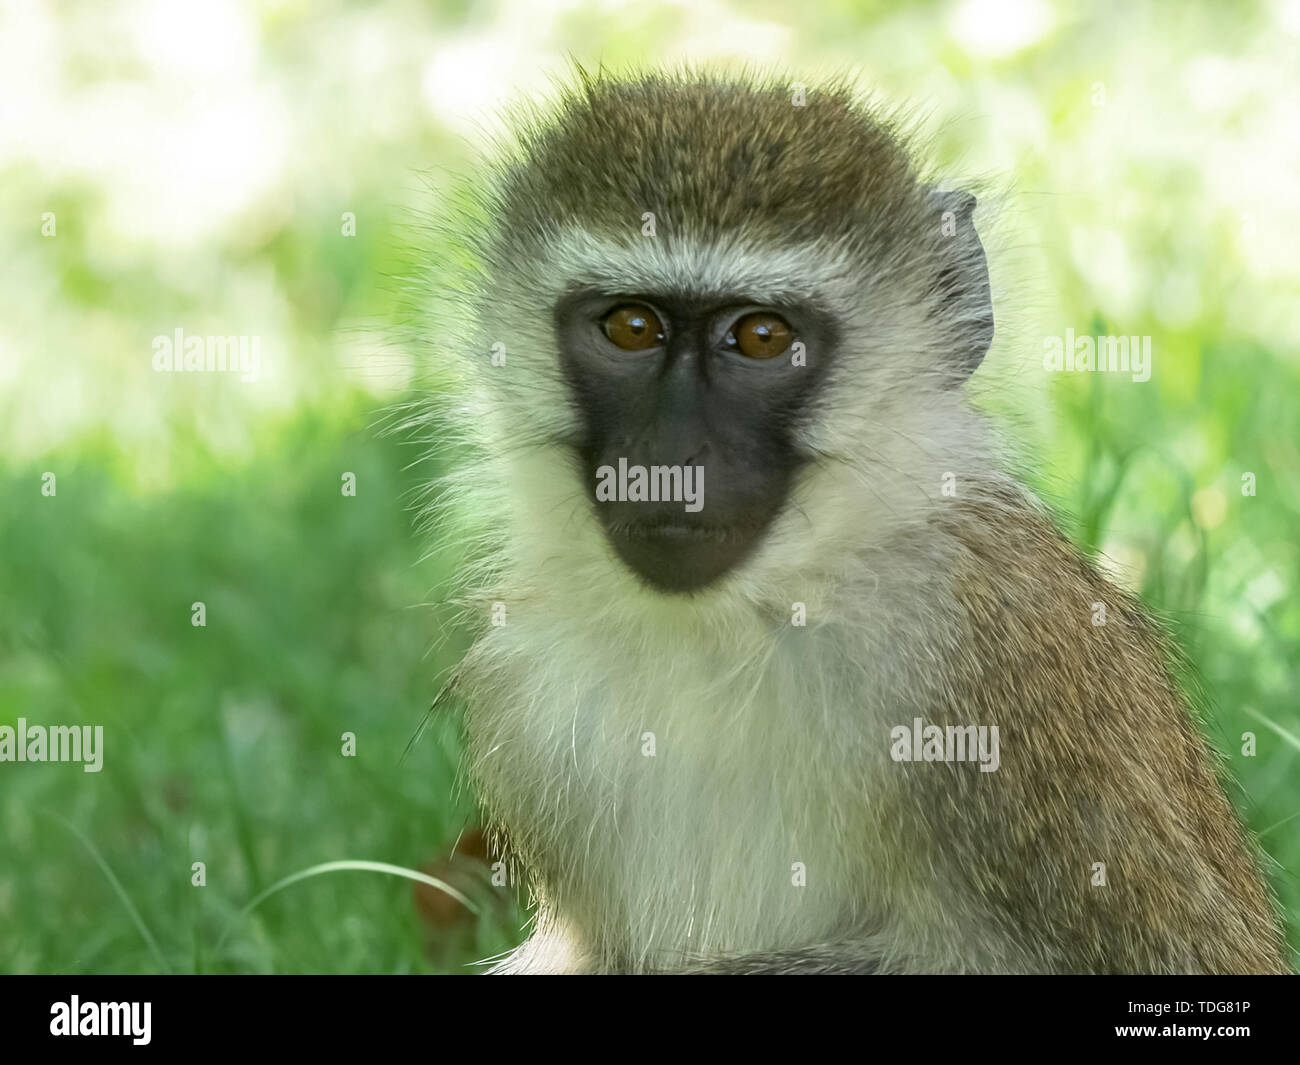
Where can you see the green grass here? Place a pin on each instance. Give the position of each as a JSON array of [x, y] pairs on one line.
[[223, 743]]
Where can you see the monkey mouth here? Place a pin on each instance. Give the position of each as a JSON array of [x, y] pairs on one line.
[[678, 556], [675, 530]]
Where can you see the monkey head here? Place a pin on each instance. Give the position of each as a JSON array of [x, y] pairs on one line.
[[723, 305]]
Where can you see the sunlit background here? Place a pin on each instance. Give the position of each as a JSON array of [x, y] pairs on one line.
[[261, 169]]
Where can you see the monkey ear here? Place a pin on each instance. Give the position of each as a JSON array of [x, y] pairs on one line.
[[965, 300]]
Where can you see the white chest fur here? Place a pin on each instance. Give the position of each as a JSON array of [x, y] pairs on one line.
[[679, 789]]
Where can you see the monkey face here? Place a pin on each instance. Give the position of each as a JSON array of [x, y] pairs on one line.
[[689, 409]]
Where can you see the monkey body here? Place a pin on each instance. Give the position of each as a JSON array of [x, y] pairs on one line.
[[771, 748], [683, 724]]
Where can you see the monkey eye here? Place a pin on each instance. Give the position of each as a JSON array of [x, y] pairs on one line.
[[761, 335], [634, 327]]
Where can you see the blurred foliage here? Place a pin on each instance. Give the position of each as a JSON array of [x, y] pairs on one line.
[[1135, 163]]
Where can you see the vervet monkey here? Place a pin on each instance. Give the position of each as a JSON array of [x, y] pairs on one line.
[[747, 538]]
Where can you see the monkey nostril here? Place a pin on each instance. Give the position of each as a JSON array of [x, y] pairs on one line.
[[698, 458]]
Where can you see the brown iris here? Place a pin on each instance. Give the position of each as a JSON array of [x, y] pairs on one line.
[[762, 335], [634, 327]]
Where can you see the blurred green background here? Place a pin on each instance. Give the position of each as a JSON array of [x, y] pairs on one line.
[[1138, 166]]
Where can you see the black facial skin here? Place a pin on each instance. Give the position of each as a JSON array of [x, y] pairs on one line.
[[690, 401]]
